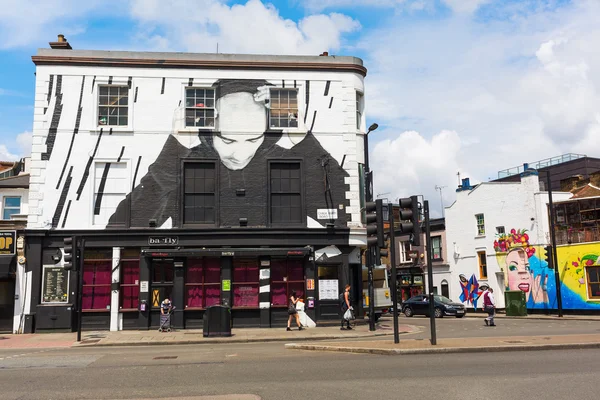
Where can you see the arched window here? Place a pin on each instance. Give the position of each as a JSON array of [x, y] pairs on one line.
[[445, 291]]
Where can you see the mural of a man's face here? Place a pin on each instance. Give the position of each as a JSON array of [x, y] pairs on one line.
[[519, 273], [242, 123]]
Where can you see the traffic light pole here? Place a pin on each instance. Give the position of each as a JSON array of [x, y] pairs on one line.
[[553, 244], [394, 272], [369, 257], [370, 262], [429, 273], [81, 250]]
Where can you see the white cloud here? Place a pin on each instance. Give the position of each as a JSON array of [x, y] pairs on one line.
[[253, 27], [6, 155], [517, 89], [465, 6], [24, 140], [411, 164], [320, 5]]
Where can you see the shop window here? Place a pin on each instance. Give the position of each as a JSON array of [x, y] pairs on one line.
[[283, 108], [130, 279], [482, 259], [593, 282], [285, 193], [162, 281], [203, 282], [287, 275], [245, 283], [199, 193], [97, 271]]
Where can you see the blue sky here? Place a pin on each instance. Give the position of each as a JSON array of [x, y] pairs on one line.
[[457, 86]]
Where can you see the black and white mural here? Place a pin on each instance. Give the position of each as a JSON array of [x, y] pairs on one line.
[[244, 161]]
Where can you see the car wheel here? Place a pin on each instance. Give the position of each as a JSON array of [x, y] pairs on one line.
[[460, 316], [408, 312], [438, 312]]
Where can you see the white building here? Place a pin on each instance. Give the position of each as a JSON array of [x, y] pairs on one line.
[[243, 170], [486, 213]]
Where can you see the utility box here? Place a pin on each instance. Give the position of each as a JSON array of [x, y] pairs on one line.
[[217, 322], [516, 303]]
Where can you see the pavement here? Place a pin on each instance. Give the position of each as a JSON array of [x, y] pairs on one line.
[[193, 336]]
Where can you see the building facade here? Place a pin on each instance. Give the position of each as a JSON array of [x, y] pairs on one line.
[[206, 178], [495, 233], [14, 183]]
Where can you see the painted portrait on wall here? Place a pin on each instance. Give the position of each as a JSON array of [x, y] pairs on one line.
[[243, 147]]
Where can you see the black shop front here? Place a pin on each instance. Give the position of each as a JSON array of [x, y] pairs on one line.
[[127, 275]]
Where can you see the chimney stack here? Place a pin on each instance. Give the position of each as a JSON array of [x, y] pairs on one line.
[[61, 43], [324, 54]]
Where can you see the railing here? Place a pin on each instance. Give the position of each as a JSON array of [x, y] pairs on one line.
[[540, 164], [580, 235]]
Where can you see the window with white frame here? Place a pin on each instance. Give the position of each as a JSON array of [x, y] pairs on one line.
[[404, 252], [359, 97], [11, 206], [200, 107], [500, 230], [480, 224], [111, 181], [436, 247], [283, 108], [113, 105]]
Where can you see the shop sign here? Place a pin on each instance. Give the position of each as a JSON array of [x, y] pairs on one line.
[[227, 253], [7, 242], [226, 285], [163, 241]]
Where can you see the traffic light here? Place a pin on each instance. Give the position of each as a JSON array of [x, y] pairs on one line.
[[70, 250], [382, 251], [548, 256], [409, 211], [375, 234]]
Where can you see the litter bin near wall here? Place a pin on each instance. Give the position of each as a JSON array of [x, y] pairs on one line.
[[516, 304], [217, 321]]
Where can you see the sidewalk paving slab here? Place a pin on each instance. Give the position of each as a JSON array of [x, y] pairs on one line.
[[460, 345], [192, 336]]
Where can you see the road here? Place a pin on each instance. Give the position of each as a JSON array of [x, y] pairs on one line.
[[475, 327], [269, 371]]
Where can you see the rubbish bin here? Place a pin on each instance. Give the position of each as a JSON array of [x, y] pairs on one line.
[[516, 305], [217, 321]]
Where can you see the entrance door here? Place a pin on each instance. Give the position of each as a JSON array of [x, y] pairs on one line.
[[163, 276], [328, 291], [7, 304]]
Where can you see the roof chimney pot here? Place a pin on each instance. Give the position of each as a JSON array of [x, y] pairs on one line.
[[61, 43], [324, 54]]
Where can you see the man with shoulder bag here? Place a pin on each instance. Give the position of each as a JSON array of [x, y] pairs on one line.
[[489, 304]]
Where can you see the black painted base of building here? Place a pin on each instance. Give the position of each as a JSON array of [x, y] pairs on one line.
[[248, 264]]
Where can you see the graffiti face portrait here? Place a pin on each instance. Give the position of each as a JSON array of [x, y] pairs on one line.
[[242, 123], [518, 271]]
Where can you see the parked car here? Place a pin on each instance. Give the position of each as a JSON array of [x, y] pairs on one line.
[[419, 305]]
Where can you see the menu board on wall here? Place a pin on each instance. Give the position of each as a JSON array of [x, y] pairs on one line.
[[55, 286], [328, 289]]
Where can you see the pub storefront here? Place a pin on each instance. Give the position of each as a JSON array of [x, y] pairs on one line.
[[124, 285]]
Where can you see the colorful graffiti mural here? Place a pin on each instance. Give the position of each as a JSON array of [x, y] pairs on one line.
[[524, 270]]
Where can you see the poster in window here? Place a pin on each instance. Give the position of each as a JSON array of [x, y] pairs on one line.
[[55, 287], [328, 289], [418, 279]]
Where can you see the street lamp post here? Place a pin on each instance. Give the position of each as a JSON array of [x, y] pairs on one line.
[[370, 258]]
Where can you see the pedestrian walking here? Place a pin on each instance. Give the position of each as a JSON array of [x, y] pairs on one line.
[[489, 304], [345, 306], [293, 313]]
